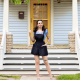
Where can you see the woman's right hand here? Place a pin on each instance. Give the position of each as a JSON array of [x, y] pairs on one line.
[[29, 32], [33, 39]]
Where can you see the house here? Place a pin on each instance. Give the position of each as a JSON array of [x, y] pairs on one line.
[[60, 18], [57, 18]]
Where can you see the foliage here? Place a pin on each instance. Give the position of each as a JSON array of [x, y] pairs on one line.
[[3, 79], [69, 77], [11, 76], [19, 1]]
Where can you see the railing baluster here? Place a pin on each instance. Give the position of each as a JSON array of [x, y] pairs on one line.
[[77, 45], [2, 48]]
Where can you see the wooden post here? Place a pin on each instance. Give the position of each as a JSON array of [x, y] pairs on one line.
[[74, 15], [6, 15]]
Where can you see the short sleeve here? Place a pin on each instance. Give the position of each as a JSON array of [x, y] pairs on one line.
[[33, 32], [46, 31]]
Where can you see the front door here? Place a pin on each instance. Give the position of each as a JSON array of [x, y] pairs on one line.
[[40, 11]]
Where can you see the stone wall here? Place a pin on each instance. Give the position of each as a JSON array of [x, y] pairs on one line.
[[9, 41], [0, 37], [71, 38]]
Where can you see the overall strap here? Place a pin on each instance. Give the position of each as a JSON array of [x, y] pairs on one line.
[[43, 32], [34, 32]]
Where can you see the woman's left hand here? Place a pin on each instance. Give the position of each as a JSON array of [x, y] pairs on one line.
[[44, 45]]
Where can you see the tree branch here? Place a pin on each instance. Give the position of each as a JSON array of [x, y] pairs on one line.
[[19, 1]]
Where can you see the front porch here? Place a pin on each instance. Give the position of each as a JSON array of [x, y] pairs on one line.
[[59, 17], [15, 50], [49, 47]]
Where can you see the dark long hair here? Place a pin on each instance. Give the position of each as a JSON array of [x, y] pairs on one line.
[[36, 27]]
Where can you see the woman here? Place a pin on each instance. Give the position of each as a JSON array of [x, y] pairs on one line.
[[39, 47]]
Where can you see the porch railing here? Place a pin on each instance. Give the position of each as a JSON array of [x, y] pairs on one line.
[[77, 45], [2, 48]]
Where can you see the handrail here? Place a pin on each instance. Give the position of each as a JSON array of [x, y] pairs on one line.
[[77, 45], [2, 48]]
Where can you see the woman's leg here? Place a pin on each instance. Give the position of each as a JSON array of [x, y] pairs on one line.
[[37, 64], [47, 65]]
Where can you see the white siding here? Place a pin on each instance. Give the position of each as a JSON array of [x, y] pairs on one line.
[[62, 21], [1, 15], [78, 15], [19, 27]]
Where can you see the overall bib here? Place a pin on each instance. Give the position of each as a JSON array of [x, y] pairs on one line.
[[37, 49]]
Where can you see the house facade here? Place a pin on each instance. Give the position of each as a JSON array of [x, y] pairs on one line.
[[58, 18], [61, 19]]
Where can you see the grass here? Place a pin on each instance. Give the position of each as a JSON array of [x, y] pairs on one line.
[[69, 77], [10, 76], [3, 79]]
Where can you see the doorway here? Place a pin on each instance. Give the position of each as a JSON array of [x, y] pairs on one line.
[[40, 11]]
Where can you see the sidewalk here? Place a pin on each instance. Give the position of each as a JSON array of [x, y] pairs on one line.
[[26, 77], [31, 77], [35, 78]]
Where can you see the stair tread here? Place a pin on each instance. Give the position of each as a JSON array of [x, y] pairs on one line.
[[41, 61], [48, 54], [41, 64], [33, 69], [51, 58]]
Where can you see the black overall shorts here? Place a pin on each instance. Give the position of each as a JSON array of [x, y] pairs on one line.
[[37, 49]]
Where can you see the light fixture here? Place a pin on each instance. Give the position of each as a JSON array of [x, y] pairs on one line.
[[58, 1], [22, 1]]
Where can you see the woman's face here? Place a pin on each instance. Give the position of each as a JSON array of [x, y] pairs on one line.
[[40, 23]]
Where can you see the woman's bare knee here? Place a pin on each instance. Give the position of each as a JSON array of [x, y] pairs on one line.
[[45, 60], [36, 59]]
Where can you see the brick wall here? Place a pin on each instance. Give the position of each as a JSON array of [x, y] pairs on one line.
[[9, 41], [71, 38]]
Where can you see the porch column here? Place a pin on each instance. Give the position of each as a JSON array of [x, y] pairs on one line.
[[52, 20], [28, 40], [6, 15], [74, 15]]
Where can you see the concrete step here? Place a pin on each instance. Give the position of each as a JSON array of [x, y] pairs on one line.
[[43, 69], [41, 61], [31, 56], [28, 55], [31, 67], [49, 53], [49, 50], [50, 58], [23, 61], [54, 72]]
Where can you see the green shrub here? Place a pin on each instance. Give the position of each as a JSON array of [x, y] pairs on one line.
[[69, 77], [11, 76]]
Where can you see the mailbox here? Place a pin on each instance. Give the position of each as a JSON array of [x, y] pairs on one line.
[[22, 1], [21, 14]]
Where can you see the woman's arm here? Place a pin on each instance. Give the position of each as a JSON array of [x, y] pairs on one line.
[[48, 38], [32, 39]]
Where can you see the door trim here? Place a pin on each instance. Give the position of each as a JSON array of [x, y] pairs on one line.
[[31, 17], [52, 22]]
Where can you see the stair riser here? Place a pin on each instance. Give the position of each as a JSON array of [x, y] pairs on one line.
[[57, 56], [49, 50], [40, 72], [41, 66], [41, 61]]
